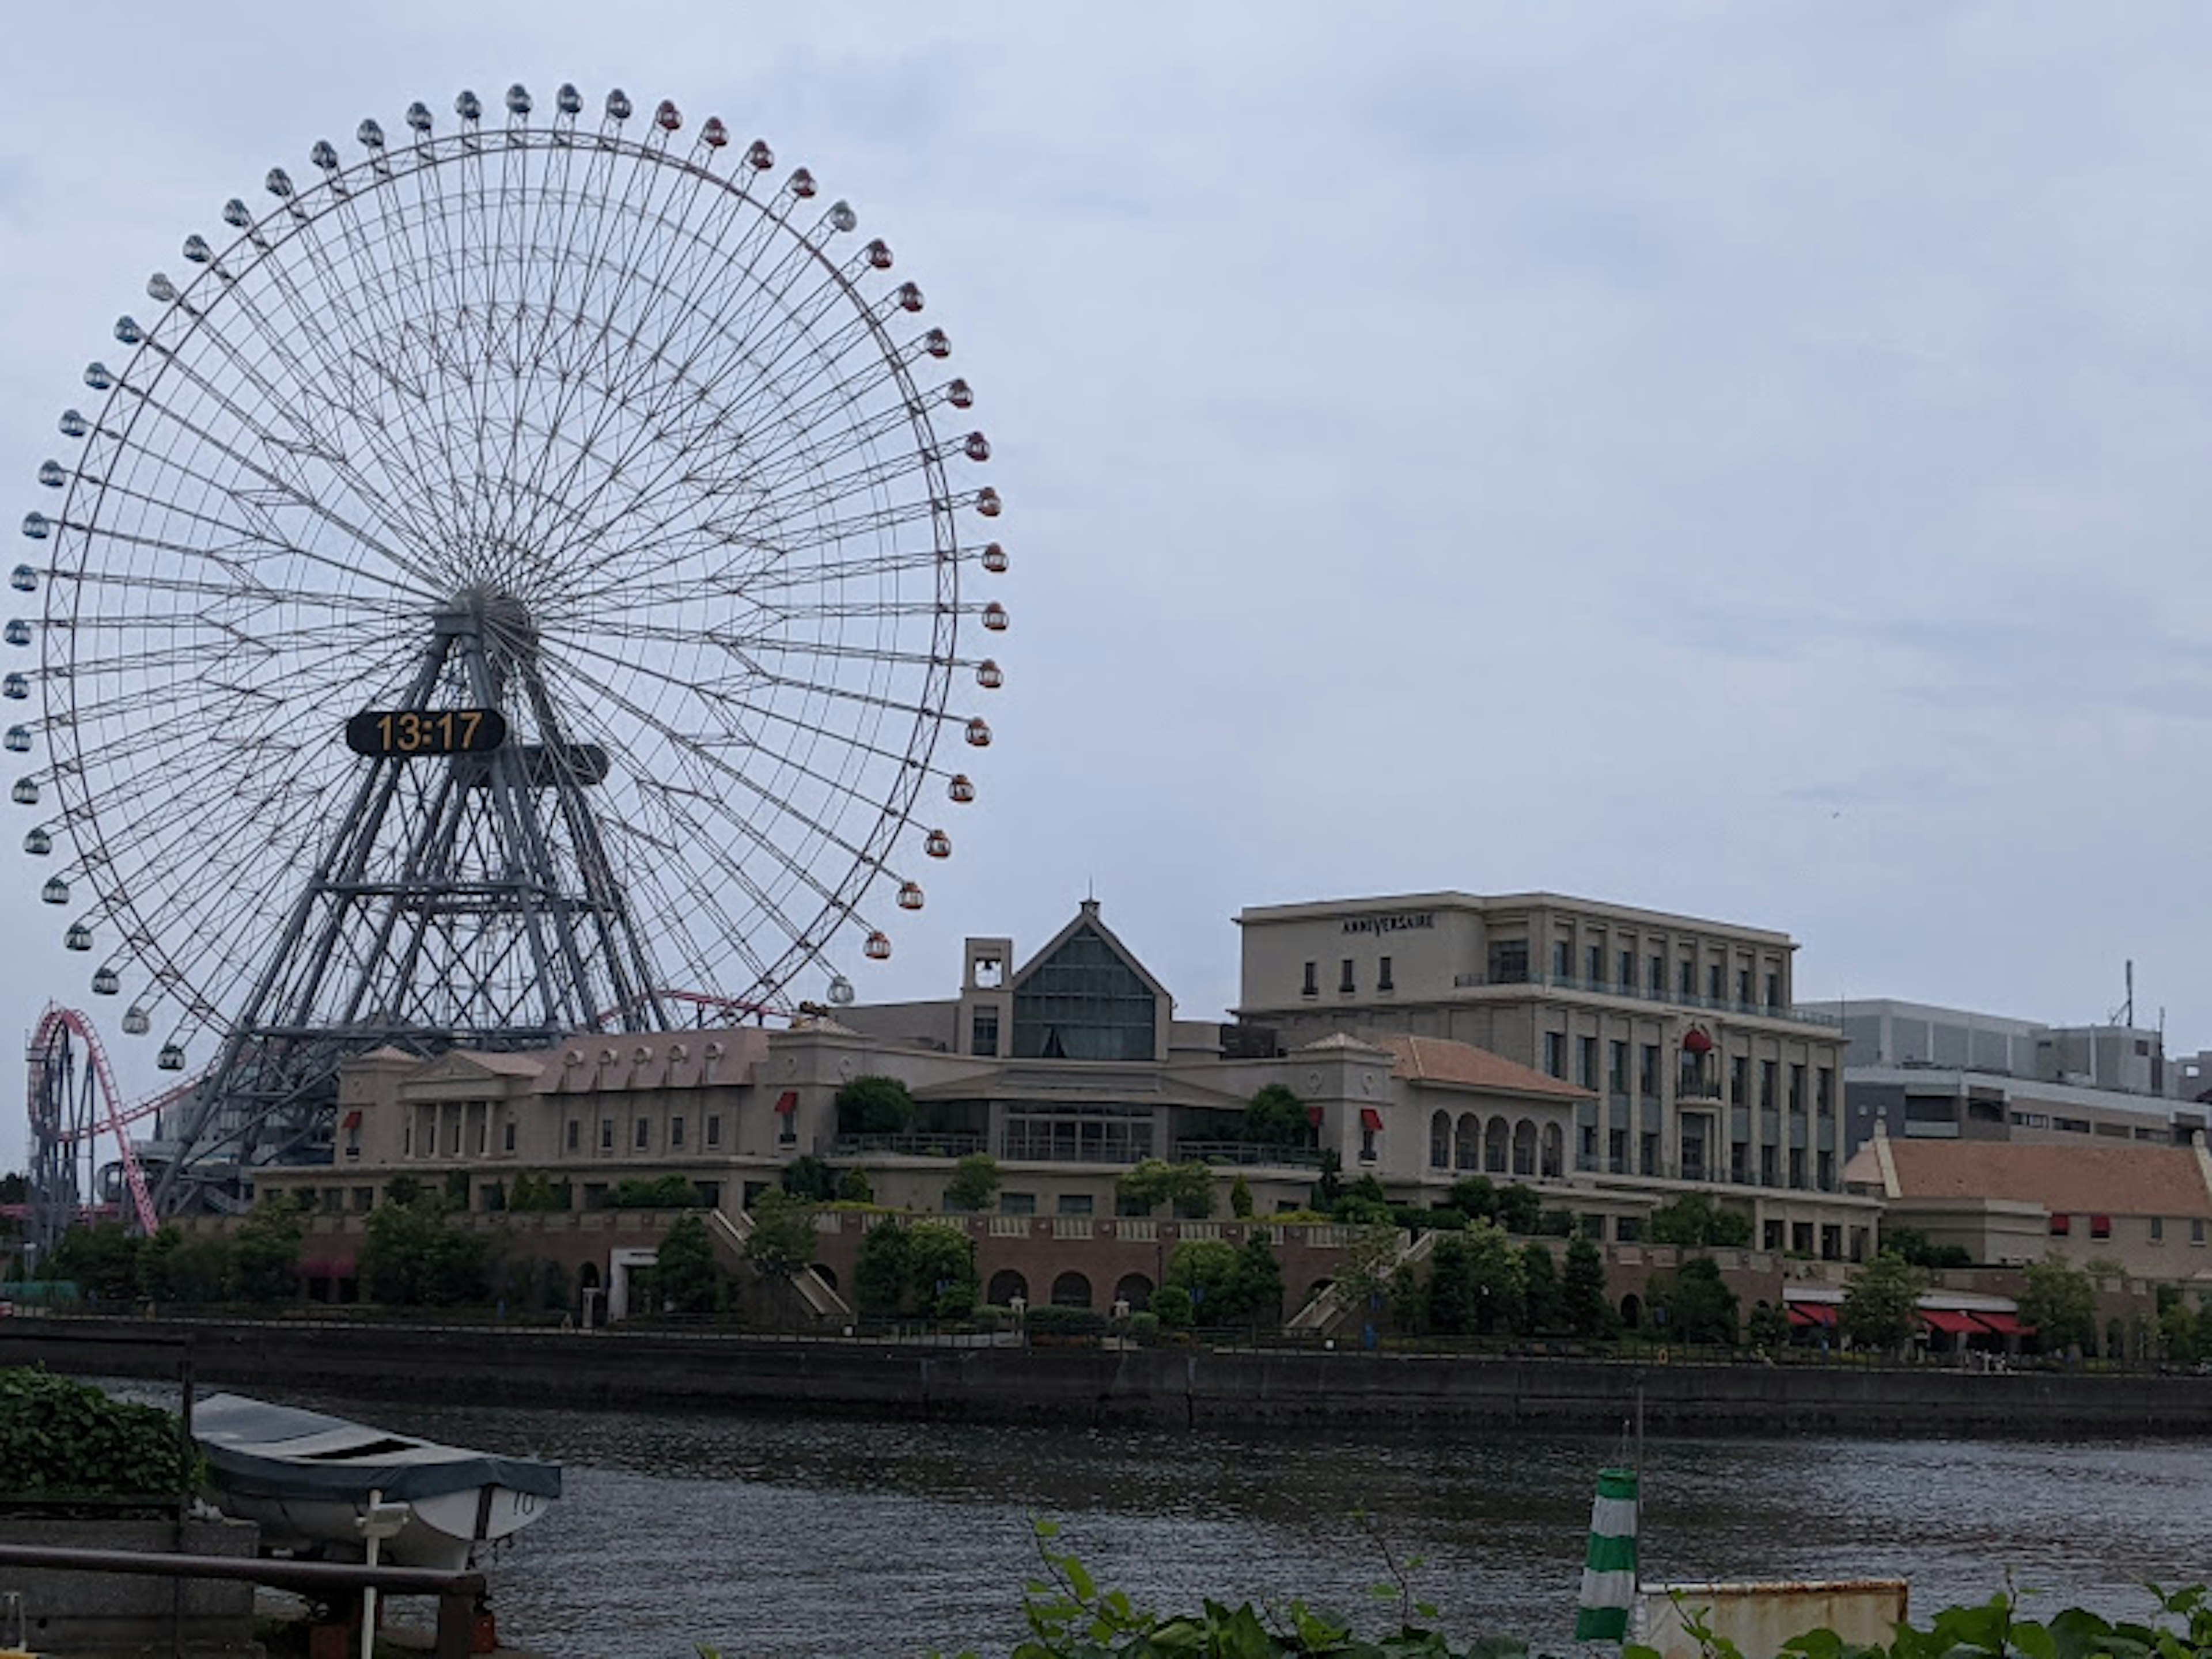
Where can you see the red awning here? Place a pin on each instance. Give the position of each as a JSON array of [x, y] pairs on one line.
[[1314, 1116], [1370, 1118], [352, 1120], [2062, 1224], [2005, 1324], [1950, 1323], [1821, 1313], [1799, 1316], [786, 1103], [1696, 1042]]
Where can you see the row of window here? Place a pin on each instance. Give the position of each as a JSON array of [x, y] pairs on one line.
[[1348, 977], [1508, 965], [1692, 1074], [2100, 1226], [425, 1145], [1695, 1166]]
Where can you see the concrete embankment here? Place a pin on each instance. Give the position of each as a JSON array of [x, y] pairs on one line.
[[1164, 1387]]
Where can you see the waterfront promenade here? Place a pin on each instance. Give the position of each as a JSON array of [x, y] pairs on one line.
[[1166, 1387]]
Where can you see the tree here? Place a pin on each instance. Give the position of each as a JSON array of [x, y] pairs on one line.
[[1473, 1197], [941, 1268], [15, 1188], [1879, 1302], [194, 1271], [668, 1192], [264, 1254], [975, 1183], [1768, 1327], [1449, 1309], [780, 1246], [685, 1280], [2180, 1332], [1500, 1304], [1543, 1299], [1240, 1198], [1695, 1222], [852, 1188], [1913, 1244], [1588, 1311], [403, 1189], [1330, 1188], [1189, 1187], [881, 1272], [1519, 1209], [1363, 1203], [413, 1257], [1275, 1117], [1701, 1307], [535, 1192], [2060, 1301], [808, 1179], [101, 1259], [1255, 1289], [874, 1105], [1205, 1269]]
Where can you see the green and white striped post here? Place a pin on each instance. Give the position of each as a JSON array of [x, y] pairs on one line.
[[1609, 1566]]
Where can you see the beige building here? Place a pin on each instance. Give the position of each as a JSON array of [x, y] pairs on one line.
[[1066, 1068], [1697, 1071], [2146, 1208]]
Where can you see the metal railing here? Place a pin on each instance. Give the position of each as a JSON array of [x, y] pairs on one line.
[[458, 1593], [1605, 987], [1247, 1153], [909, 1145]]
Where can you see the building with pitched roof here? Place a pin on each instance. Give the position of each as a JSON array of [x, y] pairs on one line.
[[1066, 1068], [2147, 1208], [1696, 1071]]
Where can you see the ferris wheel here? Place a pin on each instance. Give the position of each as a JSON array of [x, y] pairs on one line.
[[512, 574]]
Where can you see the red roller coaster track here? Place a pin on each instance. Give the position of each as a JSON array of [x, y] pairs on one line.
[[118, 1115]]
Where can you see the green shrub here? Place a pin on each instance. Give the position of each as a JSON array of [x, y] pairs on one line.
[[1144, 1328], [1048, 1321], [64, 1439]]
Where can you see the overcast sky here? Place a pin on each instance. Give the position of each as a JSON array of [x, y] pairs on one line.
[[1746, 459]]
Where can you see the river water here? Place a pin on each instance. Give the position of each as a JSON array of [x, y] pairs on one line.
[[806, 1536]]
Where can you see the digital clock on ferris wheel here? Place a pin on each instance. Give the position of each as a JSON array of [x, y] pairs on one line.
[[405, 733]]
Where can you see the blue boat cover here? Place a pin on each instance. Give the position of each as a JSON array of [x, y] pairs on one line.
[[282, 1451]]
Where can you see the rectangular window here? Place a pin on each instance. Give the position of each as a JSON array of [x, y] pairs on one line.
[[1766, 1158], [576, 1134], [1555, 1054], [1383, 981], [1655, 976], [713, 1128], [1797, 1166], [1737, 1153], [1586, 1062], [606, 1135], [507, 1135], [1073, 1204], [675, 1134], [983, 1033], [1627, 966], [1312, 986], [1593, 963], [1739, 1080], [1344, 976], [1685, 976], [1616, 1071], [1367, 1145], [2196, 1232], [1562, 962], [1769, 1074], [1796, 1088], [1827, 1180], [453, 1145], [407, 1139], [1824, 1093], [1616, 1151], [2100, 1226], [1743, 987], [1774, 990], [1712, 981], [643, 1138], [364, 1198], [1648, 1153], [1647, 1077], [2158, 1230], [2072, 1125], [1017, 1203], [1509, 962]]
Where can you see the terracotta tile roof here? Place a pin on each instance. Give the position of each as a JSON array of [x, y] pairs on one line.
[[1439, 1059], [2086, 1180]]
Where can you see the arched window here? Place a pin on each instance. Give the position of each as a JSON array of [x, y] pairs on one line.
[[1494, 1145], [1070, 1290], [1554, 1164], [1440, 1141], [1467, 1143], [1524, 1148], [1084, 1001], [1136, 1290], [1005, 1285]]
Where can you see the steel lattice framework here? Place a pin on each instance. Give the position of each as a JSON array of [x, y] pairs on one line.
[[626, 438]]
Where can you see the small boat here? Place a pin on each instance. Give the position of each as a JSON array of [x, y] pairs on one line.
[[307, 1480]]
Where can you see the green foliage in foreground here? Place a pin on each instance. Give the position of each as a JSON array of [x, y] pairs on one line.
[[64, 1439], [1070, 1616]]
